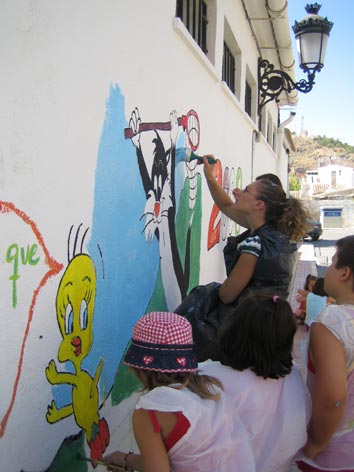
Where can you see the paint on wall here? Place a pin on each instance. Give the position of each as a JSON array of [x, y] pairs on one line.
[[142, 223], [75, 305], [157, 166], [143, 254], [220, 226], [126, 265], [69, 456], [26, 267]]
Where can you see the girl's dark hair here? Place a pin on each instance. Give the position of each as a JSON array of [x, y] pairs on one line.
[[345, 253], [318, 288], [203, 385], [309, 278], [259, 336], [288, 214]]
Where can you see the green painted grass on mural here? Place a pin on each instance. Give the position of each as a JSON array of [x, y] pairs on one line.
[[68, 456], [192, 218], [158, 299], [125, 383]]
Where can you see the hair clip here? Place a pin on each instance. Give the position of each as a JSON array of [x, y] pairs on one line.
[[275, 298]]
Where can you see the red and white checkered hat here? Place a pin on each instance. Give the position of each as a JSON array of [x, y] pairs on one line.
[[163, 342]]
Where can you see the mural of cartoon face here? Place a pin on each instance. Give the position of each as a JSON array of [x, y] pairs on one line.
[[74, 307], [159, 197]]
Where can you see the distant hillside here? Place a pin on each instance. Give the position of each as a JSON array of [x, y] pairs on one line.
[[313, 150]]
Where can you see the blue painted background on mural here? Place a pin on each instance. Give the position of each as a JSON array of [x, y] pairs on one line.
[[127, 271]]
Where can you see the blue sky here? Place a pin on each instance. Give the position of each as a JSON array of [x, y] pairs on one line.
[[329, 108]]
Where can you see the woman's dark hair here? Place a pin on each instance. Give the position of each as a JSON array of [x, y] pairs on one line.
[[309, 278], [318, 287], [272, 177], [288, 214], [259, 336]]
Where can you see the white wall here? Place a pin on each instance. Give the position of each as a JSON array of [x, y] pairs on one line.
[[72, 73], [341, 175]]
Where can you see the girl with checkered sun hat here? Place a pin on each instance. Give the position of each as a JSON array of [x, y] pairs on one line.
[[183, 421]]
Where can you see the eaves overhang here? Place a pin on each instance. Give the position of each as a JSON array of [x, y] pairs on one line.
[[269, 23]]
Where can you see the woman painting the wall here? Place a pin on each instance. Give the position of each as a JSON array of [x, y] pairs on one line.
[[261, 257]]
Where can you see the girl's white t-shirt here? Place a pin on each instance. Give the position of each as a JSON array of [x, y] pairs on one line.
[[216, 440], [275, 413]]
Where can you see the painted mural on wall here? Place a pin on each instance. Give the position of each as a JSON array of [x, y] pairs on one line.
[[26, 266], [220, 227], [153, 211], [142, 253], [157, 168], [75, 306]]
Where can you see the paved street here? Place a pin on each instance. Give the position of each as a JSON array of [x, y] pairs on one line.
[[324, 248]]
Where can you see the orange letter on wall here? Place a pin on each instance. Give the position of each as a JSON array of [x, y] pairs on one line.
[[214, 222]]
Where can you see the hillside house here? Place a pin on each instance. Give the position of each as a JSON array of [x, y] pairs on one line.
[[330, 177]]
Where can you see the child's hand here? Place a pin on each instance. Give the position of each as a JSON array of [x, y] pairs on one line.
[[300, 314], [299, 298], [116, 458]]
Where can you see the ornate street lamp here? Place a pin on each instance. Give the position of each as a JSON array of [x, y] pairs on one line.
[[311, 35]]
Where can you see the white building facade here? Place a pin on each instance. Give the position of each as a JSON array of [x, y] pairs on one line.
[[332, 176], [100, 220]]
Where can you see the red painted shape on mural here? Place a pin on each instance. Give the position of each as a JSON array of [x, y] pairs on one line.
[[100, 442], [189, 123], [54, 268], [214, 229]]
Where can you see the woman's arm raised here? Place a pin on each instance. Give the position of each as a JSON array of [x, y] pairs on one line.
[[220, 197]]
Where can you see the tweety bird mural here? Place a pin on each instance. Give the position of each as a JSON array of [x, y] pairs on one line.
[[75, 303]]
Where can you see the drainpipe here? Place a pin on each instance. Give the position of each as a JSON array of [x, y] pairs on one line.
[[283, 161]]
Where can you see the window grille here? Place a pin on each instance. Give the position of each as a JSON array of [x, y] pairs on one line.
[[228, 68], [193, 13], [248, 99]]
